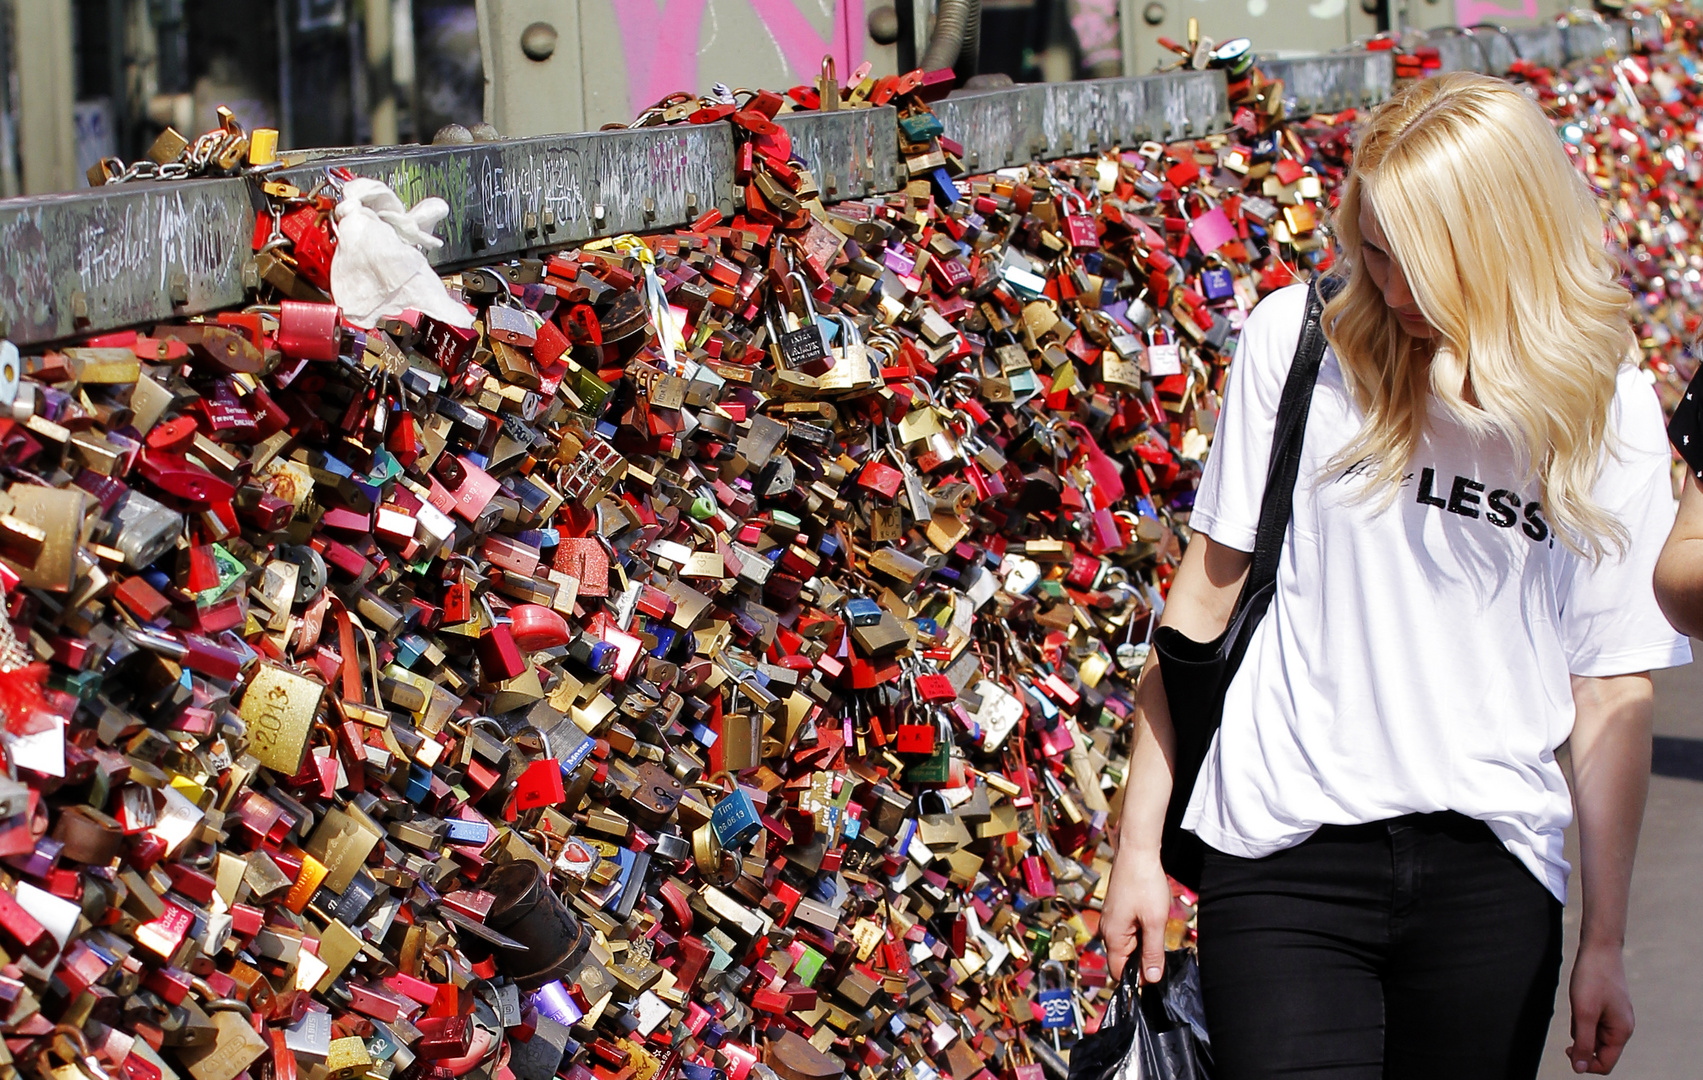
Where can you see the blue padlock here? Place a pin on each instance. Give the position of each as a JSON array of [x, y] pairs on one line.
[[1216, 283], [735, 820], [1058, 1005]]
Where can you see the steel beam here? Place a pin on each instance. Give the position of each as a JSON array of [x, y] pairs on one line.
[[851, 152], [1590, 40], [1165, 107], [1463, 52], [998, 128], [518, 195], [120, 256], [1332, 83], [1541, 45]]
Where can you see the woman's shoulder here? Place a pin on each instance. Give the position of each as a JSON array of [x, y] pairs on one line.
[[1636, 414], [1271, 333]]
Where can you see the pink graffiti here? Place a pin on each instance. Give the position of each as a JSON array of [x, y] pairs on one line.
[[1096, 26], [661, 47], [660, 42], [802, 47], [1472, 12]]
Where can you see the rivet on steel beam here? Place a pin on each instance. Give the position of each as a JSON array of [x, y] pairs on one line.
[[538, 41]]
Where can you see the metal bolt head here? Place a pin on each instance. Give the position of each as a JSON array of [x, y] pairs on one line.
[[884, 25], [1153, 14], [538, 41]]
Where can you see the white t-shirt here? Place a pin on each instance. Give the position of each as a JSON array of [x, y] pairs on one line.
[[1417, 658]]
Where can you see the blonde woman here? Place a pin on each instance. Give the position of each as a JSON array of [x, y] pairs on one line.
[[1464, 586]]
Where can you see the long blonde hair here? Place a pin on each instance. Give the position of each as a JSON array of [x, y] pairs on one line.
[[1501, 242]]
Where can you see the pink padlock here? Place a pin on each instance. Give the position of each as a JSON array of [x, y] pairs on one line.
[[1212, 230], [309, 331]]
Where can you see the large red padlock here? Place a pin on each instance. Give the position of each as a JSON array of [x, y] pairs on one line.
[[309, 331]]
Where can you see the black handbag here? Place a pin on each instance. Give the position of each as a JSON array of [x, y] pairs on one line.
[[1197, 673], [1149, 1033]]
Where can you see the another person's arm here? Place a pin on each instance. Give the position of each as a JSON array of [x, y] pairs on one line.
[[1138, 896], [1611, 776], [1679, 571]]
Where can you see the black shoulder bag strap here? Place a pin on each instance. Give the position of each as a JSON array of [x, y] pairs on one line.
[[1197, 673], [1277, 504]]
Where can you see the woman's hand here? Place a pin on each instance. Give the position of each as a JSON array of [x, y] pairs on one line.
[[1602, 1007], [1138, 901]]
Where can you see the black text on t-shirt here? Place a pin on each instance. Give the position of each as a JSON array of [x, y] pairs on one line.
[[1500, 507]]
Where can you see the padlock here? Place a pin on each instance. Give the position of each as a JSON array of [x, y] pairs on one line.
[[915, 738], [1164, 356], [1058, 1002], [309, 331], [941, 830], [735, 819], [804, 350]]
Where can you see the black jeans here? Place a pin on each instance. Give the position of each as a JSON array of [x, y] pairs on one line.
[[1409, 948]]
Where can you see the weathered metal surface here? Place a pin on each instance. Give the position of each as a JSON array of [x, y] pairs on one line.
[[1327, 84], [1499, 45], [119, 256], [1540, 45], [851, 152], [1165, 107], [996, 127], [521, 194], [1590, 40], [1073, 119], [1461, 52]]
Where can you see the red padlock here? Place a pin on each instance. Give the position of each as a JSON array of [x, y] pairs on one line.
[[1037, 878], [309, 331], [914, 739], [881, 478], [539, 785], [499, 656], [935, 688], [457, 602]]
